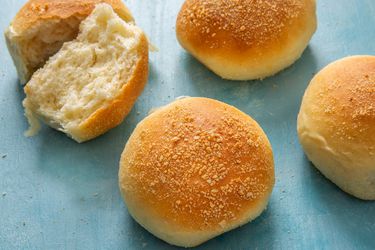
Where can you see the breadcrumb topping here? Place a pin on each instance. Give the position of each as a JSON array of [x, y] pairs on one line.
[[248, 22], [200, 167], [342, 97]]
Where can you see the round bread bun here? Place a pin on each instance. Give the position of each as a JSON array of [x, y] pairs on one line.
[[336, 124], [245, 40], [195, 169], [41, 27]]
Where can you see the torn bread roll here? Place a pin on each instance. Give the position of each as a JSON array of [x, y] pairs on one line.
[[41, 27], [92, 82]]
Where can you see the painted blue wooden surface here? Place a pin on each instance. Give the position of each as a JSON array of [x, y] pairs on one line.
[[57, 194]]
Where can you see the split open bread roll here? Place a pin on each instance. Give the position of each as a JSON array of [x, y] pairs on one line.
[[336, 124], [195, 169], [244, 40], [41, 27], [92, 82]]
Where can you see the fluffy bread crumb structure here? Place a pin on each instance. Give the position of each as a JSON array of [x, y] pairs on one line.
[[41, 27], [92, 82]]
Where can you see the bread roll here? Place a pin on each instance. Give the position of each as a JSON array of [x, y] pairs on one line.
[[336, 124], [41, 27], [92, 82], [195, 169], [244, 40]]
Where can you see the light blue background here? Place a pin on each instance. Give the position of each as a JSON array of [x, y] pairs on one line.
[[57, 194]]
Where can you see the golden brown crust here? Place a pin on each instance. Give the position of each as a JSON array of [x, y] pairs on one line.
[[199, 165], [114, 113], [35, 11], [245, 33], [346, 90]]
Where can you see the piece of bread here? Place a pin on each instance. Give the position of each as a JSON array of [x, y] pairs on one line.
[[41, 27], [92, 82], [336, 124], [245, 40], [195, 169]]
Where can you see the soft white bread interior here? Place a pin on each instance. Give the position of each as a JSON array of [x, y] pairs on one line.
[[195, 169], [336, 124], [244, 40], [92, 82], [41, 27]]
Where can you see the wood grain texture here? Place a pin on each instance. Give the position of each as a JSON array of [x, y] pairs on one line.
[[57, 194]]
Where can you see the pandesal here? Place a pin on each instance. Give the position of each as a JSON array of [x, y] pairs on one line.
[[246, 39], [336, 124], [195, 169], [92, 82]]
